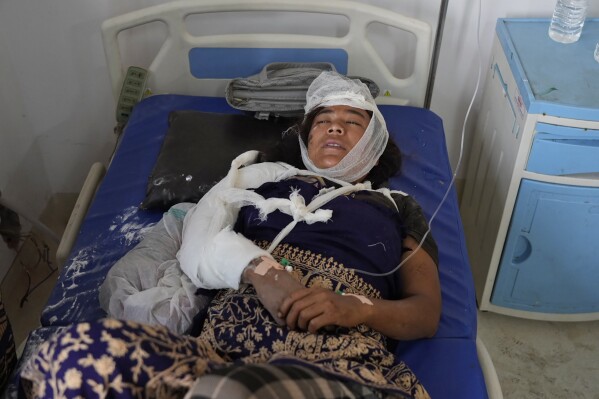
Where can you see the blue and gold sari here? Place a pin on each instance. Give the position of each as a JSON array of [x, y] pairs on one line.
[[125, 359]]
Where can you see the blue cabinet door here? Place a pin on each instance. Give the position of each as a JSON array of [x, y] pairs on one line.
[[550, 261]]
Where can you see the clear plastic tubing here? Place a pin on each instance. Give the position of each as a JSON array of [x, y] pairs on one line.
[[568, 20]]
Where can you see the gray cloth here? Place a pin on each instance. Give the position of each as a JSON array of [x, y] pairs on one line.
[[147, 284], [280, 88]]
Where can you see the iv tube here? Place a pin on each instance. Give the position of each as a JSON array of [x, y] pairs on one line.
[[451, 183]]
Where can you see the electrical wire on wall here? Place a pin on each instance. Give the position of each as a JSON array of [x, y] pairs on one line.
[[10, 230]]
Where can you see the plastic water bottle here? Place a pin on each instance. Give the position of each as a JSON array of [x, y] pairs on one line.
[[568, 20]]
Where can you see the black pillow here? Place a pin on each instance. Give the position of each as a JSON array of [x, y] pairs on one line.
[[197, 152]]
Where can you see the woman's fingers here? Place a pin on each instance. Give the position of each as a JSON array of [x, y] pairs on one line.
[[313, 309], [307, 315], [301, 302], [291, 299]]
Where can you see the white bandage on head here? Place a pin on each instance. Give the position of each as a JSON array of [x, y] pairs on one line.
[[331, 88]]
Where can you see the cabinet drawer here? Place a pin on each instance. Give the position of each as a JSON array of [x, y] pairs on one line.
[[559, 150], [550, 259]]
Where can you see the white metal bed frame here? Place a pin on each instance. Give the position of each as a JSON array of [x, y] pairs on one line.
[[167, 74]]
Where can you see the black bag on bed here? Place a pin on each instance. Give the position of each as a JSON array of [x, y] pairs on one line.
[[197, 152], [280, 89]]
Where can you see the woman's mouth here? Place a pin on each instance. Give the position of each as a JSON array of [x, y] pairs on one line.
[[334, 145]]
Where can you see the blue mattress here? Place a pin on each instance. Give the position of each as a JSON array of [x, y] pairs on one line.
[[447, 364]]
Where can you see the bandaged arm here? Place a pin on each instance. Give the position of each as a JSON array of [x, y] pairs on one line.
[[211, 253]]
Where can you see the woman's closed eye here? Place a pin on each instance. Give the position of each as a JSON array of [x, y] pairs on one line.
[[325, 121]]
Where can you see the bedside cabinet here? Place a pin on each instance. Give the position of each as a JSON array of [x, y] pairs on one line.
[[530, 204]]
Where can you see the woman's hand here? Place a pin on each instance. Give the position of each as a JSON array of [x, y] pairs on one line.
[[314, 308], [272, 288], [414, 315]]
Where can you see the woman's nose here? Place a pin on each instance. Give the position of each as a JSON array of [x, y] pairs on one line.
[[335, 129]]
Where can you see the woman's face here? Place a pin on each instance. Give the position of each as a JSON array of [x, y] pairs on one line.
[[335, 131]]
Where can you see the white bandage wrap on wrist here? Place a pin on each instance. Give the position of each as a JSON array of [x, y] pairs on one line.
[[234, 252]]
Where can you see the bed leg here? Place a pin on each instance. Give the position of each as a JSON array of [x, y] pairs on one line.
[[489, 372]]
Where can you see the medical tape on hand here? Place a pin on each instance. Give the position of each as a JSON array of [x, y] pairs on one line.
[[265, 265], [361, 298]]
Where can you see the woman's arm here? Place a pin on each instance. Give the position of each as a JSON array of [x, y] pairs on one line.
[[212, 255], [415, 315], [272, 285]]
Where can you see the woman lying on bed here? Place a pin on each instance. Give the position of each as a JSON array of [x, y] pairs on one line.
[[305, 263]]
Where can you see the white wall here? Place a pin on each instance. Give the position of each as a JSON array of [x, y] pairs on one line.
[[56, 109]]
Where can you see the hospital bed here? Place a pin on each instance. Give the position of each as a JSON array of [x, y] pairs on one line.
[[190, 73]]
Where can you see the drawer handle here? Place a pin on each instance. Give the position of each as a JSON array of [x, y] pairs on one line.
[[522, 250]]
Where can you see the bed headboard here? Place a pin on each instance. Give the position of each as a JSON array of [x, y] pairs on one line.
[[203, 65]]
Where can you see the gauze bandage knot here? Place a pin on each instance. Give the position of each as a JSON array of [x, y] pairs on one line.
[[295, 206], [329, 89]]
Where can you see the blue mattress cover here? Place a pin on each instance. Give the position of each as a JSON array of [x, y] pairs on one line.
[[114, 225]]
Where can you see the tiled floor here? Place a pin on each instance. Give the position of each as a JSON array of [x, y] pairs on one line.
[[533, 359], [542, 360]]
